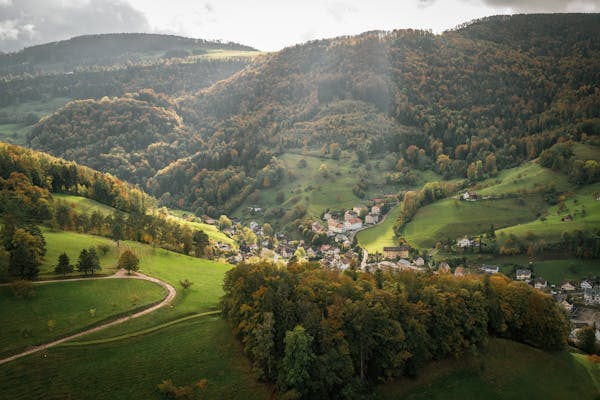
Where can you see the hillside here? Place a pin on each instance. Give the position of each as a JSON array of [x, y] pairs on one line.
[[106, 50]]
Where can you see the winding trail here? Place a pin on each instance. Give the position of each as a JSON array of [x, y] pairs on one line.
[[121, 274]]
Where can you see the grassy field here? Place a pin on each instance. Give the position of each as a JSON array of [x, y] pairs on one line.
[[525, 178], [131, 369], [212, 231], [68, 304], [381, 235], [583, 207], [451, 218], [307, 187], [72, 243], [83, 204], [207, 277], [503, 370]]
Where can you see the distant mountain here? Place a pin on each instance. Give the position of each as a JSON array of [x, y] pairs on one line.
[[465, 103], [106, 50]]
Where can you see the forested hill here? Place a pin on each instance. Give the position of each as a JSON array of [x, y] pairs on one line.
[[106, 50], [463, 103]]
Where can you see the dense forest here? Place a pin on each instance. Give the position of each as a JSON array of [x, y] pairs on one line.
[[325, 334], [466, 103]]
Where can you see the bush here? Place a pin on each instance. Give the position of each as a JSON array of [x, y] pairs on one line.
[[23, 289], [186, 284]]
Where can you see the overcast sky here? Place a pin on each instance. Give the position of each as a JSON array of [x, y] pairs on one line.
[[265, 24]]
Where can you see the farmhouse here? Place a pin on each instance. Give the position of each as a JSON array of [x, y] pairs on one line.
[[396, 252], [353, 224], [523, 274], [490, 269], [540, 283], [592, 296], [459, 271], [585, 285], [470, 196], [419, 262], [443, 268], [567, 287], [376, 210]]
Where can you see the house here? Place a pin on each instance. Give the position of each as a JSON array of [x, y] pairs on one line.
[[327, 216], [335, 226], [470, 196], [464, 242], [523, 274], [540, 283], [339, 238], [567, 287], [317, 227], [254, 209], [443, 268], [358, 209], [490, 269], [419, 262], [254, 226], [353, 224], [210, 221], [396, 252], [592, 296], [350, 214], [567, 306], [567, 218], [371, 219], [585, 285], [459, 271], [376, 210]]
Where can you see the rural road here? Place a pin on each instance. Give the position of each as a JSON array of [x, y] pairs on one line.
[[121, 274]]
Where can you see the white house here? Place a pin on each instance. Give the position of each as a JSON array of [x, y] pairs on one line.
[[419, 262], [585, 285], [592, 296], [567, 306], [443, 267], [523, 274], [353, 224], [490, 269], [376, 210], [350, 214], [358, 209], [335, 226], [540, 283], [464, 242], [371, 219]]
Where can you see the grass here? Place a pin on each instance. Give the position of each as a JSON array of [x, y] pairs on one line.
[[68, 304], [207, 277], [72, 243], [586, 152], [529, 177], [451, 218], [198, 349], [83, 204], [584, 209], [212, 231], [503, 370], [381, 235], [306, 187]]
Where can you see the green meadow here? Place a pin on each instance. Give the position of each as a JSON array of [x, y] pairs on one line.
[[58, 309], [452, 219], [381, 235], [131, 369], [502, 370], [529, 177]]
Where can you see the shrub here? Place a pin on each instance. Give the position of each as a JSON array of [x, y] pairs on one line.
[[23, 289]]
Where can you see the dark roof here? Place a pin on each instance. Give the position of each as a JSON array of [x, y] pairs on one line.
[[397, 248]]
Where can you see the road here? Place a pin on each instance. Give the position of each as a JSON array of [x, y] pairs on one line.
[[121, 274]]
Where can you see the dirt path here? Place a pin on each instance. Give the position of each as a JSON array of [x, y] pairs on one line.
[[171, 292]]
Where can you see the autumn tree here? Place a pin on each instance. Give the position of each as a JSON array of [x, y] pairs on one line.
[[129, 261]]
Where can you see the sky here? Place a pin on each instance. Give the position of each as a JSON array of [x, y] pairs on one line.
[[267, 25]]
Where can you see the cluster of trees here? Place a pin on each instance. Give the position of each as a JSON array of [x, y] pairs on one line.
[[130, 137], [560, 157], [325, 334], [23, 246], [40, 174]]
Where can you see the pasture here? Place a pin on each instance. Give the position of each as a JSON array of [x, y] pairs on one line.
[[58, 309]]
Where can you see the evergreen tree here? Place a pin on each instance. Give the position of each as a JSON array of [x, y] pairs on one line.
[[64, 265]]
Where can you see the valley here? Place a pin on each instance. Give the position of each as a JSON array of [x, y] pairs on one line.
[[394, 214]]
